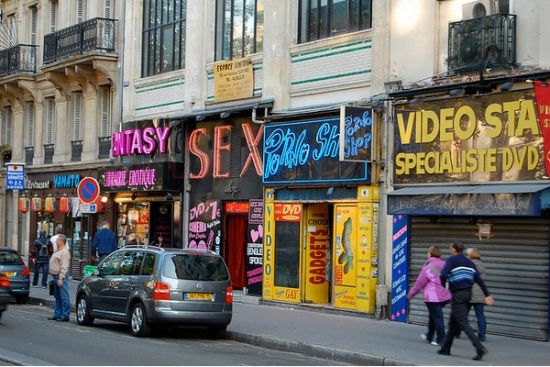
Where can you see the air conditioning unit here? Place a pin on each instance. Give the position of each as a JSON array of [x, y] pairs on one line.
[[479, 8]]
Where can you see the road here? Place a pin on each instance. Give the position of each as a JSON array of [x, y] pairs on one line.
[[26, 333]]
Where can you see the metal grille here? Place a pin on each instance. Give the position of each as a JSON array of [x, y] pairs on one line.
[[48, 153], [516, 264], [18, 59], [482, 42]]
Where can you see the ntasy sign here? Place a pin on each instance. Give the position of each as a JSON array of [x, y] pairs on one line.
[[490, 138]]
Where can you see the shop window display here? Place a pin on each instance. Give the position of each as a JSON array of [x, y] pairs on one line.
[[133, 218]]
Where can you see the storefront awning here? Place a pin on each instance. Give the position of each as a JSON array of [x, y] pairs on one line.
[[491, 199]]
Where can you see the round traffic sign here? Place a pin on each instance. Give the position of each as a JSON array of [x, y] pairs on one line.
[[88, 190]]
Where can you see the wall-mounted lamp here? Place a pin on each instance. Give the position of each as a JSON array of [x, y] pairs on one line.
[[506, 87], [457, 92], [104, 199], [225, 115]]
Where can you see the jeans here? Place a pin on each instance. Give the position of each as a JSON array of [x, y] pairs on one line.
[[459, 320], [62, 307], [436, 323], [37, 267], [481, 321]]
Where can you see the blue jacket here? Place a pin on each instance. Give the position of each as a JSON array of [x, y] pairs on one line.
[[461, 273], [104, 242]]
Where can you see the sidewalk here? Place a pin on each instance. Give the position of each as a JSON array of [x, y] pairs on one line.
[[353, 339]]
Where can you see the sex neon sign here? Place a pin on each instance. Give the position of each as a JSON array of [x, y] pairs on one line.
[[140, 141], [220, 148]]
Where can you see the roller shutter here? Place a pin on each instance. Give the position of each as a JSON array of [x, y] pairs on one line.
[[516, 262]]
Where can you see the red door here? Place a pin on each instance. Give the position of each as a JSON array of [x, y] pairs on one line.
[[235, 247]]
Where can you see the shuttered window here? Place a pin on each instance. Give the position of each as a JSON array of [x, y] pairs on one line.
[[77, 115], [29, 124], [104, 111], [53, 16], [107, 10], [33, 24], [50, 119], [7, 126], [10, 38], [80, 11]]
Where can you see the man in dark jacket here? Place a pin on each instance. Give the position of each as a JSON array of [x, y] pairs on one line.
[[42, 250], [104, 242], [461, 273]]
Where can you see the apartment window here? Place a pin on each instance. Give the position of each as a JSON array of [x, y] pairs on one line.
[[77, 115], [108, 9], [9, 37], [239, 28], [33, 25], [7, 126], [50, 120], [80, 11], [52, 21], [320, 19], [104, 111], [29, 124], [163, 36]]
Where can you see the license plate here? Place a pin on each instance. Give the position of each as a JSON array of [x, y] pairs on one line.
[[199, 296], [10, 273]]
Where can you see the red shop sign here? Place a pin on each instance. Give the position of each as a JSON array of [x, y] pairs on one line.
[[542, 94], [237, 207]]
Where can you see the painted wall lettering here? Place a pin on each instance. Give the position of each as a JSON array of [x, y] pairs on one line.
[[204, 226]]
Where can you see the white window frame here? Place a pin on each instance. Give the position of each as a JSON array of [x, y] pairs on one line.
[[80, 11], [33, 23], [53, 16], [77, 115], [105, 109]]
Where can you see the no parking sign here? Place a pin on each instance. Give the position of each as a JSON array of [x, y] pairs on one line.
[[88, 190]]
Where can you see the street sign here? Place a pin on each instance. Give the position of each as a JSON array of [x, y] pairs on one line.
[[15, 177], [88, 190], [88, 208]]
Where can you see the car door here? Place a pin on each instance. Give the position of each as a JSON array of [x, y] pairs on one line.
[[101, 291], [123, 284]]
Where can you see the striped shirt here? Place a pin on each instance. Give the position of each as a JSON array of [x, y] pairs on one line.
[[461, 273]]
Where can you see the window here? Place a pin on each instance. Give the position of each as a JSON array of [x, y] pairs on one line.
[[33, 24], [163, 36], [104, 111], [11, 37], [148, 264], [29, 124], [107, 9], [320, 19], [50, 118], [111, 265], [80, 11], [239, 28], [77, 115], [7, 126], [195, 267], [53, 16]]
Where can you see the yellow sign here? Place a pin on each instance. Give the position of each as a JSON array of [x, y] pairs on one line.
[[269, 250], [317, 256], [345, 249], [233, 79]]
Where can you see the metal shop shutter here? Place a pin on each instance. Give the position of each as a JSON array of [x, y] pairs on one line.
[[516, 263]]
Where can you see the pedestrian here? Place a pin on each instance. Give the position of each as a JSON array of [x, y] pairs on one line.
[[53, 239], [159, 241], [59, 268], [41, 253], [478, 299], [461, 273], [435, 296], [104, 242]]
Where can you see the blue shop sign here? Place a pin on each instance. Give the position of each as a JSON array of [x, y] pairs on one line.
[[66, 181], [307, 152], [400, 268], [15, 177]]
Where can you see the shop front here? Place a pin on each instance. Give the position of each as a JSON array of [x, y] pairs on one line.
[[473, 169], [321, 218], [146, 187], [225, 195], [51, 200]]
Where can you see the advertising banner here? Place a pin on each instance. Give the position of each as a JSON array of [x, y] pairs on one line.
[[233, 79], [542, 93], [345, 256], [317, 257], [483, 139], [400, 266], [205, 226], [255, 247]]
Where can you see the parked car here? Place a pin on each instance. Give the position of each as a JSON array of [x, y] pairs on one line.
[[146, 286], [13, 266], [4, 293]]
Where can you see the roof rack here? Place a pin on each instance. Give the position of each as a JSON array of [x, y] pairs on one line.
[[143, 246]]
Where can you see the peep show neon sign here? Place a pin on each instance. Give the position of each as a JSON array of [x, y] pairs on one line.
[[140, 141]]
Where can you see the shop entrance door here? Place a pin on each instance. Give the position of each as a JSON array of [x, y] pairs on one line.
[[316, 254], [235, 248]]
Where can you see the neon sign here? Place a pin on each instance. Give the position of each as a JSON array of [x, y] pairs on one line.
[[140, 141], [135, 177], [356, 125]]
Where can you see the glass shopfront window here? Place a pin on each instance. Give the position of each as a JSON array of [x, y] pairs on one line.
[[133, 218]]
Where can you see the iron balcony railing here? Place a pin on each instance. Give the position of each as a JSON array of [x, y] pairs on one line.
[[483, 42], [104, 147], [76, 150], [94, 35], [49, 150], [29, 155], [18, 59]]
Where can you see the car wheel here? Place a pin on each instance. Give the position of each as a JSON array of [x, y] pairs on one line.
[[22, 298], [138, 321], [83, 312], [217, 332]]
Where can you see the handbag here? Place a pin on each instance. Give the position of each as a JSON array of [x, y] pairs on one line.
[[51, 287]]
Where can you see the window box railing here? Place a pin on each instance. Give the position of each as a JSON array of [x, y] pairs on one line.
[[29, 155], [76, 150], [18, 59], [48, 153], [104, 147], [483, 42], [94, 35]]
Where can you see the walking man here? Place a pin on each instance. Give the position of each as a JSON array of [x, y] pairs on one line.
[[461, 273], [41, 258], [59, 268], [104, 242]]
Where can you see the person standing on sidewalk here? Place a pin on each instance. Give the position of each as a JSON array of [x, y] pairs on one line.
[[435, 296], [104, 242], [59, 268], [42, 251], [461, 273], [478, 298], [53, 239]]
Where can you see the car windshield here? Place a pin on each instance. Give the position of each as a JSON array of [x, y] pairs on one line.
[[10, 258], [195, 267]]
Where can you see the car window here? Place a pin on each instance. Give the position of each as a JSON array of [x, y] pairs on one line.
[[127, 263], [10, 258], [138, 260], [111, 264], [195, 267], [148, 264]]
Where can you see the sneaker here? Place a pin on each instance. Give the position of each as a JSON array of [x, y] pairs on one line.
[[43, 287], [434, 343], [424, 336]]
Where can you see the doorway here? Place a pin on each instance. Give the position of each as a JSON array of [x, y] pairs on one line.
[[234, 247]]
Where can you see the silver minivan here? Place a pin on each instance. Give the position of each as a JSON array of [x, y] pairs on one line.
[[147, 286]]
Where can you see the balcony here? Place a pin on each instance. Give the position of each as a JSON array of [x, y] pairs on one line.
[[76, 150], [29, 155], [482, 42], [104, 147], [94, 35], [18, 59], [48, 153]]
